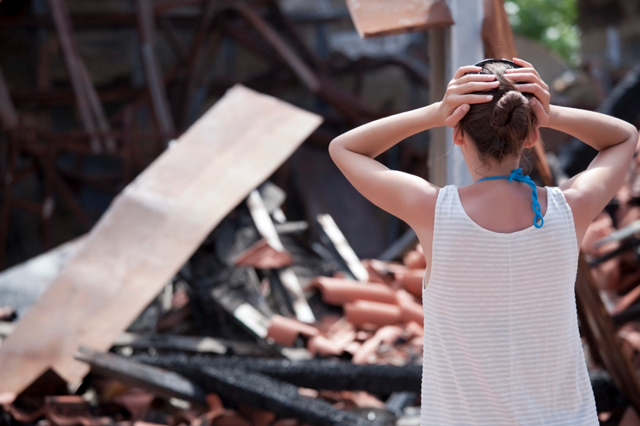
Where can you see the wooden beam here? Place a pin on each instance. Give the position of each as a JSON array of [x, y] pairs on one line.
[[8, 114], [77, 72], [152, 71], [150, 230], [161, 382]]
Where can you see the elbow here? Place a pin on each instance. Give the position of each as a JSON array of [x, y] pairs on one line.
[[634, 134], [334, 148]]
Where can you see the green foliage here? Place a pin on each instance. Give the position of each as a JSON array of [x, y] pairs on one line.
[[552, 22]]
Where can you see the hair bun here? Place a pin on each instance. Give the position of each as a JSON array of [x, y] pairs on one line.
[[506, 106]]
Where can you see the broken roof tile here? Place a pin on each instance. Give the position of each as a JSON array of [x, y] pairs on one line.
[[284, 331], [414, 259], [262, 255], [364, 311], [336, 291], [412, 281]]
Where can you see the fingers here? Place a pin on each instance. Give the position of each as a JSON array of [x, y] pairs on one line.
[[471, 99], [529, 78], [466, 69], [475, 86], [456, 115], [522, 63], [542, 117], [523, 71], [474, 77], [536, 90]]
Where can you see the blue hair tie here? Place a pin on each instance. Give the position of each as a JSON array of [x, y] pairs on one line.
[[516, 174]]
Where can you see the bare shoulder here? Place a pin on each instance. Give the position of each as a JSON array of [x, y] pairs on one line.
[[424, 208]]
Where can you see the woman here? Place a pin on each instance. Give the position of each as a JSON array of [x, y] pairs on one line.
[[501, 341]]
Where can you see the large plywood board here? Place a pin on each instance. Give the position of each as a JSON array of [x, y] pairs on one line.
[[374, 18], [150, 231]]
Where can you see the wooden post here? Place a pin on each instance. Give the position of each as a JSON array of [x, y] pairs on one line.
[[463, 46], [437, 86]]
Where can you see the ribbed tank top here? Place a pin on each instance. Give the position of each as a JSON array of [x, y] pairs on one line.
[[501, 339]]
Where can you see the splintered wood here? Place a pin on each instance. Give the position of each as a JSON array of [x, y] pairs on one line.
[[150, 231], [374, 18]]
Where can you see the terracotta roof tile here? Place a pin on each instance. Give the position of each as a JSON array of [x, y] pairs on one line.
[[230, 418], [320, 345], [136, 401], [377, 272], [261, 255], [366, 352], [411, 310], [412, 281], [336, 291], [286, 422], [256, 416], [284, 331], [414, 259], [414, 329], [362, 312]]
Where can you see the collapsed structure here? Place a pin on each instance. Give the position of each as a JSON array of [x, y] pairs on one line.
[[215, 308]]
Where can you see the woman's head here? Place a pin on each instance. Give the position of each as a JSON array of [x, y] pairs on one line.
[[499, 128]]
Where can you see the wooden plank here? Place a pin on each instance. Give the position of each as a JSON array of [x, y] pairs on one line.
[[602, 336], [374, 18], [288, 278], [336, 237], [151, 230]]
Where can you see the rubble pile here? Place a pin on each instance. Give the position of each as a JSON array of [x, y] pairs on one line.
[[611, 246]]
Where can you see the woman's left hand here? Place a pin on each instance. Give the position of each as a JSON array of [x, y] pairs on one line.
[[459, 95]]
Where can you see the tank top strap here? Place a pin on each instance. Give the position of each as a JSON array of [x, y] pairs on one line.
[[448, 204], [561, 211]]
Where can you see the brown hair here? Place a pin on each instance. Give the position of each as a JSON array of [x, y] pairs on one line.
[[499, 127]]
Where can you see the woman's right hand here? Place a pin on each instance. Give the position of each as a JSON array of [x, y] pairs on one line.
[[528, 80], [458, 97]]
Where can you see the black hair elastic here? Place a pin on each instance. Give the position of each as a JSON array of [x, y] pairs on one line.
[[492, 60]]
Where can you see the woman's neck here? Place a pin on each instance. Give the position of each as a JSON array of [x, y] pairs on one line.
[[493, 168]]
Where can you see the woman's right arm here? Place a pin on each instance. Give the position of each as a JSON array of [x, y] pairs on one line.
[[590, 191]]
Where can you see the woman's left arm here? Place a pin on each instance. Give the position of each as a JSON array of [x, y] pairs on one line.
[[402, 194]]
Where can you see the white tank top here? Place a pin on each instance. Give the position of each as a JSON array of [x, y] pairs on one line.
[[501, 340]]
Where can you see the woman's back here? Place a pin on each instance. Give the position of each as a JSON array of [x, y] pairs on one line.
[[501, 341], [501, 335]]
